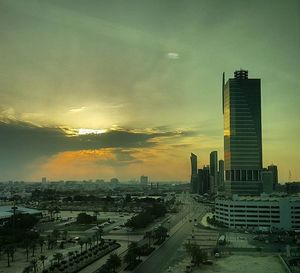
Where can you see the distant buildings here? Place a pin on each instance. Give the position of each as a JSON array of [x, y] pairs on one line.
[[213, 172], [242, 134], [273, 168], [210, 178], [44, 179], [114, 181], [194, 174], [221, 175], [292, 187], [265, 213], [204, 180], [144, 180]]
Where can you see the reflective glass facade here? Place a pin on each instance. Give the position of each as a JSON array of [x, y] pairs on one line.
[[242, 133]]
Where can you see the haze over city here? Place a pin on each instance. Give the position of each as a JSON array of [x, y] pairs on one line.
[[125, 88]]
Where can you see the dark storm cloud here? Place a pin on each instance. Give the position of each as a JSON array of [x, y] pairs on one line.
[[22, 142]]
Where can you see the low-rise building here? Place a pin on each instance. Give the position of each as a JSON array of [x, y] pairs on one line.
[[259, 213]]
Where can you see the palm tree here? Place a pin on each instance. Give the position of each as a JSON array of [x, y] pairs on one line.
[[33, 247], [96, 213], [196, 253], [41, 243], [56, 234], [12, 252], [65, 234], [70, 254], [114, 262], [7, 251], [149, 236], [89, 242], [86, 244], [56, 211], [27, 247], [98, 234], [33, 262], [81, 243], [27, 269], [43, 258], [161, 233], [51, 211], [58, 256]]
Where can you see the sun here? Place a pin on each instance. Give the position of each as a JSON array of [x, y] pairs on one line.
[[84, 131]]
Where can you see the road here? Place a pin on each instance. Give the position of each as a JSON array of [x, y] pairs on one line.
[[164, 257]]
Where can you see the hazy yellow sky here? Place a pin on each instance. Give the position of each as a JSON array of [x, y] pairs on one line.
[[147, 76]]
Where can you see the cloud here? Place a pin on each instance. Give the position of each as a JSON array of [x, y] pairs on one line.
[[22, 143], [76, 110], [173, 55]]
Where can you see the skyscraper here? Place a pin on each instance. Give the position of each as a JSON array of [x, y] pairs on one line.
[[221, 174], [273, 168], [204, 180], [214, 172], [194, 174], [242, 134], [144, 180]]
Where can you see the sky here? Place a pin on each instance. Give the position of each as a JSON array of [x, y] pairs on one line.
[[99, 89]]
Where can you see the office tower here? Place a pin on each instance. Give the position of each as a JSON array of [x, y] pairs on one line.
[[144, 180], [242, 134], [204, 180], [213, 172], [267, 180], [44, 180], [194, 174], [273, 168], [221, 174]]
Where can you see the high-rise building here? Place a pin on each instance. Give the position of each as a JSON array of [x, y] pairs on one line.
[[213, 172], [194, 174], [221, 174], [242, 134], [204, 180], [44, 179], [273, 168], [144, 180]]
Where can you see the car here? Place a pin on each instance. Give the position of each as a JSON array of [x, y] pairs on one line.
[[217, 255]]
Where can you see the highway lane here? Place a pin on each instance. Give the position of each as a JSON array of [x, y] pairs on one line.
[[164, 257]]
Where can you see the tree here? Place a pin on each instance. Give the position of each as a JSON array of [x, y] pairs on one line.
[[56, 234], [84, 218], [12, 252], [133, 252], [65, 234], [161, 233], [149, 236], [81, 243], [43, 258], [33, 262], [90, 242], [33, 247], [114, 262], [99, 234], [7, 251], [197, 255], [58, 257], [27, 269], [27, 247], [41, 243]]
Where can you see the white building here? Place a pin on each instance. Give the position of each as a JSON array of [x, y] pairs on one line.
[[259, 213]]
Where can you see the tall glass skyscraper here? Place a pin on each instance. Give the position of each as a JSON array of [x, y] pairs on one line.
[[242, 134], [194, 173]]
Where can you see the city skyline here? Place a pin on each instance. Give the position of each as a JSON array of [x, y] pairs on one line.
[[110, 90]]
